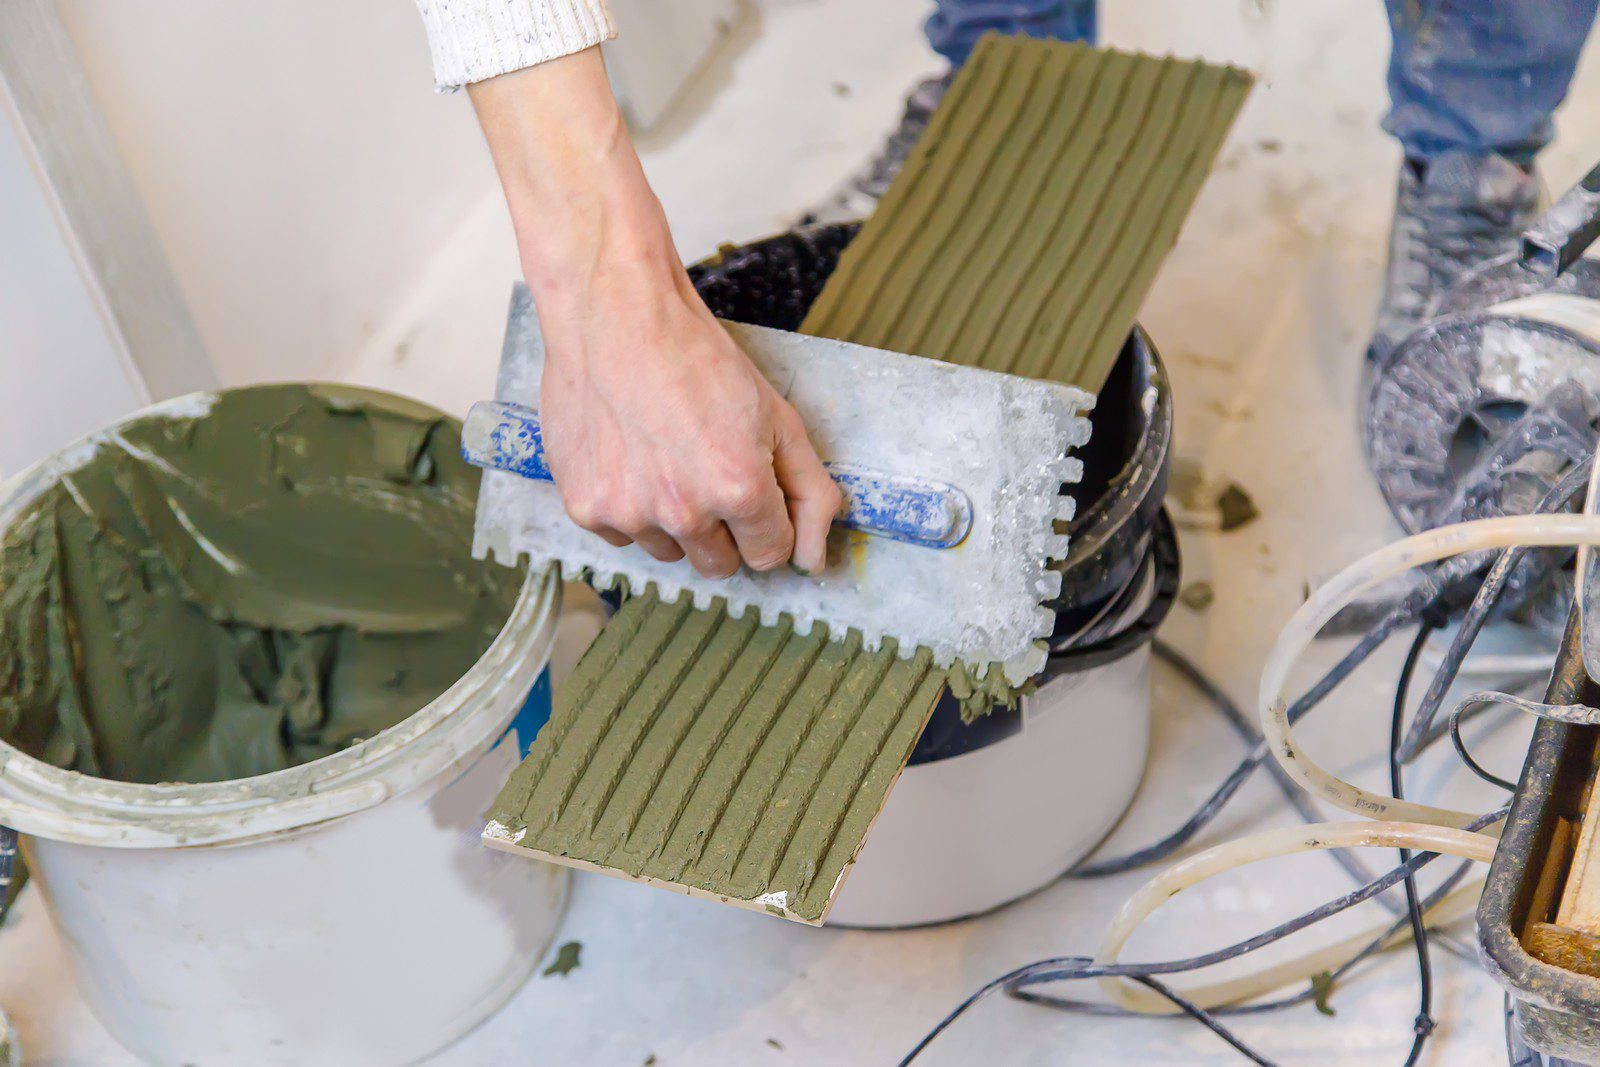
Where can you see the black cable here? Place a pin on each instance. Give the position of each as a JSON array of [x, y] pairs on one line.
[[1376, 945], [1466, 757], [1205, 1018], [1419, 931], [1414, 605], [1066, 968], [1573, 483], [1212, 807], [1241, 773], [1258, 756]]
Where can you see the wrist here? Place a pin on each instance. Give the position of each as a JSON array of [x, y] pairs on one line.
[[579, 200], [610, 234]]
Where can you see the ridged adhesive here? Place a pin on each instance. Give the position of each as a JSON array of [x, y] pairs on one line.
[[747, 763]]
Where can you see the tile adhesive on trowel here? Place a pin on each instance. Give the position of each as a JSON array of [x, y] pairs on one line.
[[744, 763]]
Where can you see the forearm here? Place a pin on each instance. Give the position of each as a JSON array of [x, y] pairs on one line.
[[659, 430], [584, 214]]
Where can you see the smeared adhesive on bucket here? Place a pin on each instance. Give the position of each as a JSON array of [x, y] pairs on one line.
[[252, 620]]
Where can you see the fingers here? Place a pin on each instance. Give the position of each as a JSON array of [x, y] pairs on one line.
[[812, 497], [752, 508], [762, 517], [713, 552], [600, 515], [659, 545], [693, 533]]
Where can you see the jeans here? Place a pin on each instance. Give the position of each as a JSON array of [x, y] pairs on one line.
[[955, 25], [1480, 76], [1473, 76]]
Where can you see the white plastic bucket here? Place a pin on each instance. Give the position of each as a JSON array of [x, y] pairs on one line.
[[964, 834], [339, 912]]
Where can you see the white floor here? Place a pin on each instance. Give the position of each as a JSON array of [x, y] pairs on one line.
[[1260, 315]]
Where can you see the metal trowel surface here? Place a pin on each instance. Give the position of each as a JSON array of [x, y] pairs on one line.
[[899, 433]]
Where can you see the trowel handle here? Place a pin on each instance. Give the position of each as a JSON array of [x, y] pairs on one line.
[[918, 511]]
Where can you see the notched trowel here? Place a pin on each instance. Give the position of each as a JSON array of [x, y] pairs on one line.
[[952, 478]]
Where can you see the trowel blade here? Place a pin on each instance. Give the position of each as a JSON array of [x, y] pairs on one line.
[[1003, 440]]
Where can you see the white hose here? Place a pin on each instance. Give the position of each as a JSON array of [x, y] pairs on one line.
[[1406, 824], [1456, 904], [1349, 584], [1271, 843]]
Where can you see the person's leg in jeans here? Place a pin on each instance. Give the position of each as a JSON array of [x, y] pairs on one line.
[[955, 25], [953, 30], [1472, 84]]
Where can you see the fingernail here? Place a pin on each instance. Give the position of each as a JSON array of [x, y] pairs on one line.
[[801, 571]]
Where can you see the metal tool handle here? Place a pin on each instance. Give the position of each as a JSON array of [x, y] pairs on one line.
[[1564, 232], [919, 511]]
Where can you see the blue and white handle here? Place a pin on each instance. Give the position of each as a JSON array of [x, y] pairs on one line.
[[918, 511]]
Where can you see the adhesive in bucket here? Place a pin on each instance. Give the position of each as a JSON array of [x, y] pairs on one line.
[[183, 907], [244, 586]]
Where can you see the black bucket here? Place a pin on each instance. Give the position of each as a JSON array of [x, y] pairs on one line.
[[1121, 574]]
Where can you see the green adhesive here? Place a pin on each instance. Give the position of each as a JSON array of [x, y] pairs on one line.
[[748, 763], [567, 960], [220, 595], [1029, 222]]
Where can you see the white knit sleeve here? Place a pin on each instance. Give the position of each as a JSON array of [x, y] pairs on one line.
[[476, 39]]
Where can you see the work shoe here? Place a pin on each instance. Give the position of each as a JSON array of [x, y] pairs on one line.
[[1450, 214], [859, 195]]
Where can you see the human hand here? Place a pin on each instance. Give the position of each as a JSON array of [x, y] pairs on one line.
[[658, 429]]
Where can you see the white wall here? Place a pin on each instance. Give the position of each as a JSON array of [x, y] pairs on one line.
[[61, 375], [293, 157], [301, 171]]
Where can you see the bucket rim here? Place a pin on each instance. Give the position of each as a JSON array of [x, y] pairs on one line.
[[40, 799]]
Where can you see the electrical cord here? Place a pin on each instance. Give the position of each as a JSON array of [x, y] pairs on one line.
[[1380, 566], [1465, 842], [1212, 807], [1414, 825], [1433, 829], [1571, 485], [1467, 758], [1445, 904], [1419, 931], [1575, 714], [1205, 1018]]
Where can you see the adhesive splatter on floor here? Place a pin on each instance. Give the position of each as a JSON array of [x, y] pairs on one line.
[[1237, 507], [566, 960]]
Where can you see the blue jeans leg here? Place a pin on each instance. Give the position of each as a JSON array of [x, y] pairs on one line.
[[955, 25], [1481, 76]]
